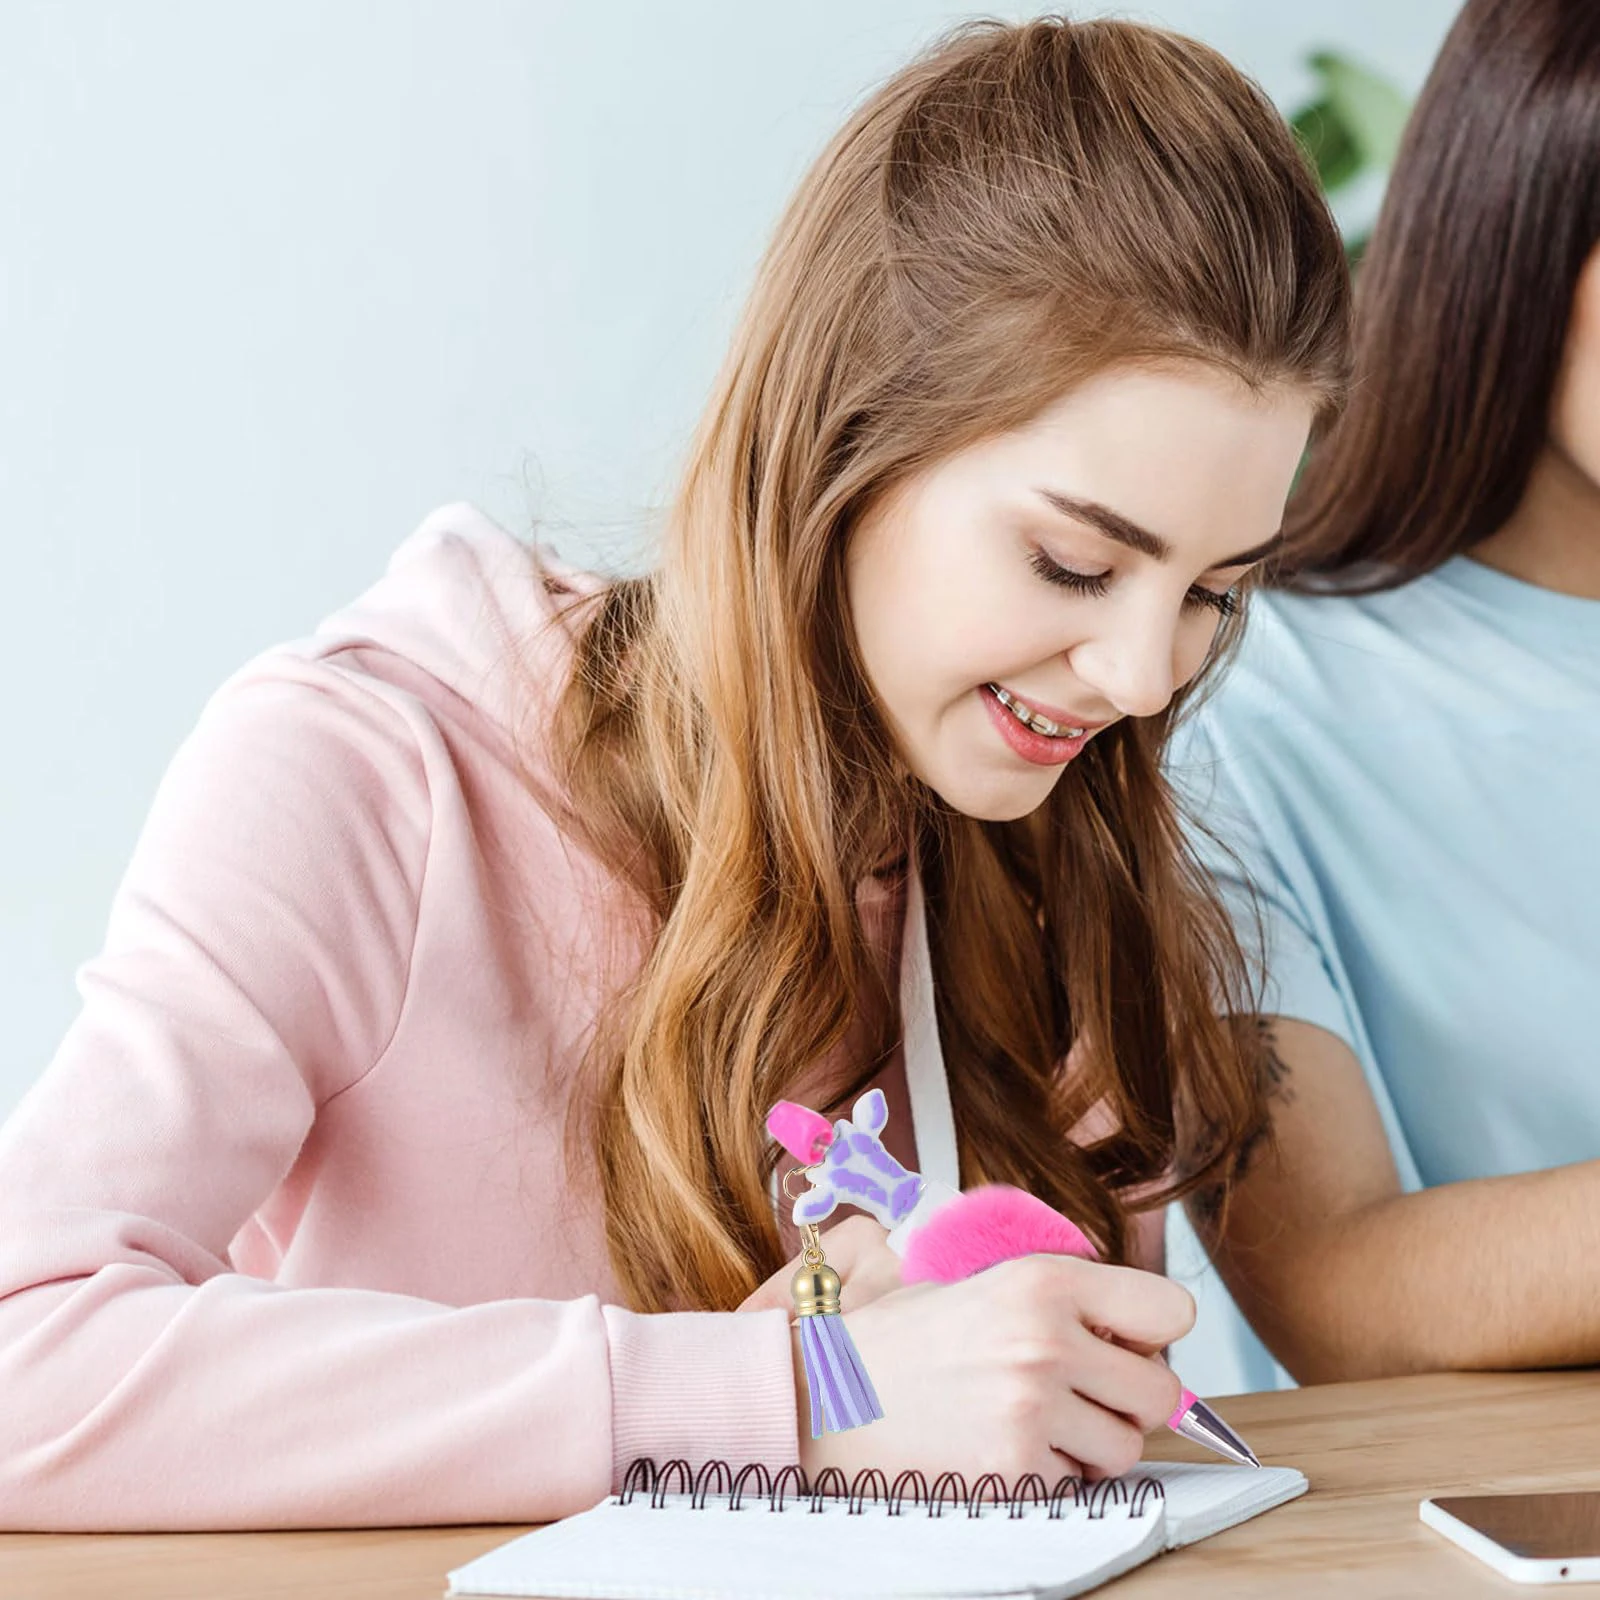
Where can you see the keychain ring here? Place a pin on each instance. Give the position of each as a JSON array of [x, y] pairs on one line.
[[795, 1172]]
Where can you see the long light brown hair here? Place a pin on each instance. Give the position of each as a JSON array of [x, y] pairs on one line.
[[1018, 209], [1463, 303]]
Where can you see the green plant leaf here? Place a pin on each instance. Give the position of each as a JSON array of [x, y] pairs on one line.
[[1367, 105], [1327, 138]]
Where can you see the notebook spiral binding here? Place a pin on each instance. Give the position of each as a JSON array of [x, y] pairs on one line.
[[949, 1491]]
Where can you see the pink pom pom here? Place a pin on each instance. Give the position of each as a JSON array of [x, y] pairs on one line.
[[984, 1226], [805, 1134]]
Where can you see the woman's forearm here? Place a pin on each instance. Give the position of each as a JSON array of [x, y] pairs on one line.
[[1490, 1273]]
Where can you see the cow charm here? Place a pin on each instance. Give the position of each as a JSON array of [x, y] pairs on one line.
[[845, 1162]]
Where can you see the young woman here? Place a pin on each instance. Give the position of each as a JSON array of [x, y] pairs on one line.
[[406, 1162], [1405, 762]]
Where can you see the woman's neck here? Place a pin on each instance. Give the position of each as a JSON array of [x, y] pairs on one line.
[[1552, 539]]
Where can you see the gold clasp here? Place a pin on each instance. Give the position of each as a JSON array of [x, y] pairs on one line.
[[795, 1172], [811, 1254]]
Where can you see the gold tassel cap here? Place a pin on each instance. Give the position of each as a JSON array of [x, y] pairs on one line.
[[816, 1291]]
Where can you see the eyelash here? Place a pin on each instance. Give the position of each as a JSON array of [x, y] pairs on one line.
[[1224, 604]]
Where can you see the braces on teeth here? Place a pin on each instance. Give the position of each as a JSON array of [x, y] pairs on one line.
[[1033, 719]]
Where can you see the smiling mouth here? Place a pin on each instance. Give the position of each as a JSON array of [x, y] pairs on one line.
[[1036, 720]]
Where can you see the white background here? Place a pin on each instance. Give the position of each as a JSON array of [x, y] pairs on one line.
[[277, 280]]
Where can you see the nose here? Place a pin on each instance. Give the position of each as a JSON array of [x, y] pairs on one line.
[[1131, 663]]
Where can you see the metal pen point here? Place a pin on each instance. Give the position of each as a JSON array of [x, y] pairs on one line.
[[1194, 1419]]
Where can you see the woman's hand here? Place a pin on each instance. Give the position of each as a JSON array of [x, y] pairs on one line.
[[857, 1250], [1012, 1371]]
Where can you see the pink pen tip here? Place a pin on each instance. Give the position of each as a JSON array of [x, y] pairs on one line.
[[1186, 1401], [1195, 1420]]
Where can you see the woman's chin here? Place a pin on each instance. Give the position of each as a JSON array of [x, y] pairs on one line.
[[994, 796]]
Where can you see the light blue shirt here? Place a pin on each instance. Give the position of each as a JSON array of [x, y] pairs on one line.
[[1410, 781]]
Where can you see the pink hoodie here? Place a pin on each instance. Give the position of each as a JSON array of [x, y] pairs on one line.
[[286, 1238]]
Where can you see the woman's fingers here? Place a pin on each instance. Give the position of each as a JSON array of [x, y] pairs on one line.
[[1103, 1442], [1142, 1311], [857, 1249], [1139, 1387], [871, 1268]]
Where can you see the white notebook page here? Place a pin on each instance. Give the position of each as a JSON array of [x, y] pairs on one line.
[[677, 1552], [1203, 1500]]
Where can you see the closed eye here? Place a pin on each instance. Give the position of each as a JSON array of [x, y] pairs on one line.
[[1224, 602], [1095, 583]]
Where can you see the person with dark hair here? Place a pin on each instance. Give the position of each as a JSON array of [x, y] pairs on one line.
[[1397, 783]]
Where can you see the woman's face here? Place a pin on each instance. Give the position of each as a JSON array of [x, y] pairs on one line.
[[1016, 599], [1575, 405]]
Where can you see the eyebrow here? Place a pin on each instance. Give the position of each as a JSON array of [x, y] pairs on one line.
[[1118, 527]]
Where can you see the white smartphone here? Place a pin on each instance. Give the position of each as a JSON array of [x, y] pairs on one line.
[[1529, 1538]]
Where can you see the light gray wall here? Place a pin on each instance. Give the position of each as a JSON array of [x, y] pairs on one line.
[[277, 279]]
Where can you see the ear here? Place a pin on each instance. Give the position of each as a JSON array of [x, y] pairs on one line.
[[870, 1113]]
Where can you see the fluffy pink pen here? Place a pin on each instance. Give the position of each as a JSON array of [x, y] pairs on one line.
[[984, 1226], [951, 1236]]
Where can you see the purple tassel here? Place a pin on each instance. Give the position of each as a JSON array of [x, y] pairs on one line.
[[842, 1395]]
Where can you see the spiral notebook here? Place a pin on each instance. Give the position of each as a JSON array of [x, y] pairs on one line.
[[748, 1536]]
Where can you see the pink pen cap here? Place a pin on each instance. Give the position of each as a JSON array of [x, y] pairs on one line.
[[1194, 1419]]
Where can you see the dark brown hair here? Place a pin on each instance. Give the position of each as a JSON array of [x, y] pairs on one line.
[[1462, 302], [1022, 207]]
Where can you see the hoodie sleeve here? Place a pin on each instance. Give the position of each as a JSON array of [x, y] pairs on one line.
[[255, 964]]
